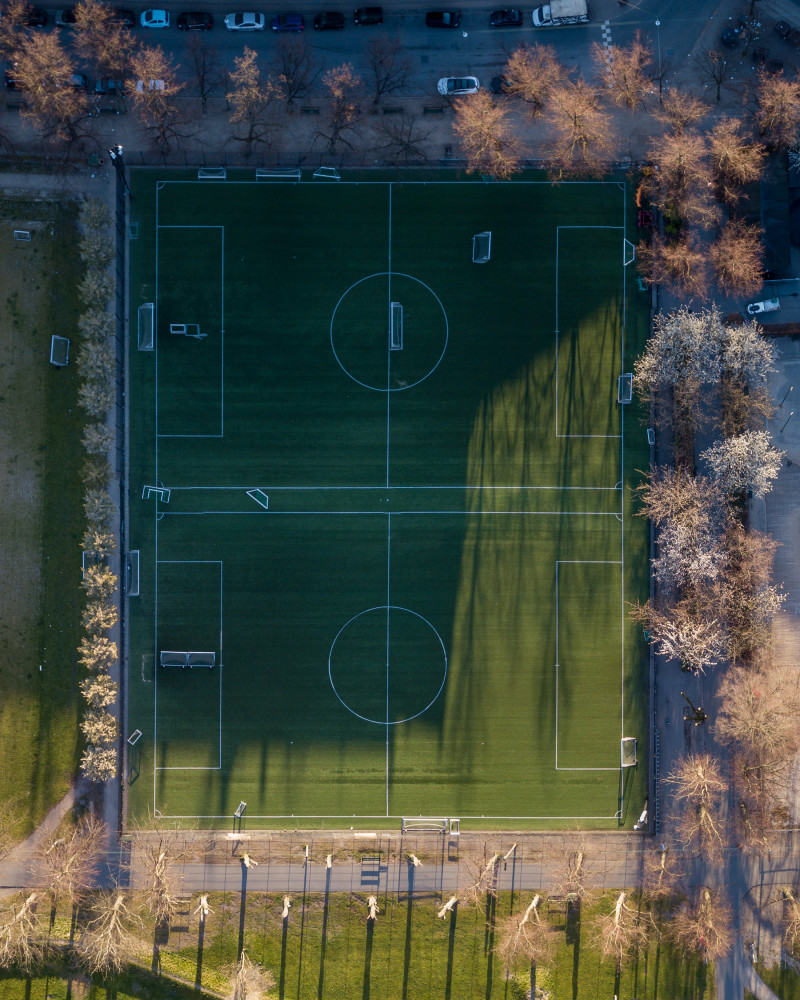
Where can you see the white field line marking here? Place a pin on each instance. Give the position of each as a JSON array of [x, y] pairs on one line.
[[388, 345], [407, 183], [388, 612], [458, 510], [300, 489], [580, 562], [370, 816]]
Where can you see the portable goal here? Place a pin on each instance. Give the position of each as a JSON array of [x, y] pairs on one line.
[[278, 173], [212, 174], [625, 388], [627, 751], [420, 823], [59, 351], [327, 173], [146, 326], [481, 248], [132, 573], [396, 326]]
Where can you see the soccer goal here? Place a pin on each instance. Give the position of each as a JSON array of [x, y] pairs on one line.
[[628, 252], [212, 174], [59, 351], [625, 388], [146, 326], [396, 327], [420, 823], [627, 751], [278, 173], [327, 173], [132, 573], [260, 497], [481, 248]]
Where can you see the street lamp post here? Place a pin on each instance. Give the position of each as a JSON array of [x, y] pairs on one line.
[[658, 45]]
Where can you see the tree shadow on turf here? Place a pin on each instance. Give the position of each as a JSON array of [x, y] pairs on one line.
[[366, 991], [324, 935], [409, 912], [451, 947]]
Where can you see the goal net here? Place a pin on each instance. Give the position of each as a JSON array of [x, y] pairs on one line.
[[481, 248], [396, 326], [625, 388], [627, 751], [145, 318]]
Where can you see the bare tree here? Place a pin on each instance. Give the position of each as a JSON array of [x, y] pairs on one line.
[[341, 85], [295, 68], [99, 691], [99, 763], [704, 928], [569, 871], [777, 113], [204, 60], [623, 932], [251, 99], [682, 183], [98, 616], [98, 508], [97, 439], [481, 878], [107, 941], [388, 67], [712, 68], [531, 73], [97, 288], [99, 581], [747, 462], [663, 872], [679, 110], [680, 264], [698, 790], [161, 854], [696, 641], [623, 70], [20, 945], [13, 26], [69, 864], [749, 597], [583, 136], [153, 92], [526, 936], [487, 137], [102, 39], [98, 543], [97, 653], [738, 256], [250, 982], [99, 727], [736, 159], [57, 110], [791, 937], [404, 140]]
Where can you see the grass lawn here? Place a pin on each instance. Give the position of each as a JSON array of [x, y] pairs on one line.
[[410, 562], [41, 502], [327, 951]]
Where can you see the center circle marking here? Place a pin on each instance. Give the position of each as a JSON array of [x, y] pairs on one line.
[[368, 635], [361, 344]]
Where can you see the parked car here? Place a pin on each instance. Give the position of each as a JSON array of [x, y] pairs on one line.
[[37, 18], [125, 17], [248, 21], [765, 306], [105, 85], [454, 86], [443, 18], [498, 85], [79, 81], [65, 18], [11, 79], [368, 15], [288, 22], [329, 20], [195, 20], [154, 19], [505, 18]]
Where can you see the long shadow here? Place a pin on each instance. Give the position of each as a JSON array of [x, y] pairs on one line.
[[198, 971], [302, 930], [324, 941], [366, 991], [574, 938], [282, 983], [242, 910], [491, 910], [407, 949], [451, 948]]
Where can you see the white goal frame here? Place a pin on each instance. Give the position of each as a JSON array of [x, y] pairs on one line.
[[482, 247]]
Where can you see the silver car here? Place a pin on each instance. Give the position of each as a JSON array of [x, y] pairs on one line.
[[455, 86], [248, 21]]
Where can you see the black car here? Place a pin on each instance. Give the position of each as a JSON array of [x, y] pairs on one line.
[[195, 20], [125, 17], [37, 18], [329, 20], [368, 15], [443, 18], [505, 19], [498, 85]]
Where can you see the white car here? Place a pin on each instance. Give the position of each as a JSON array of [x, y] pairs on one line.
[[765, 306], [245, 22], [454, 86], [154, 19]]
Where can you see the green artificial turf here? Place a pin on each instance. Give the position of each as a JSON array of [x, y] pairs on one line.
[[429, 618]]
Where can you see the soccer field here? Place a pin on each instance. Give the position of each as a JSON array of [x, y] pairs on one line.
[[387, 490]]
